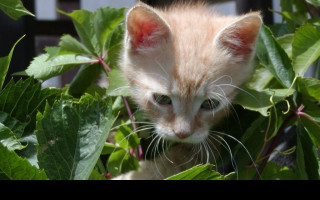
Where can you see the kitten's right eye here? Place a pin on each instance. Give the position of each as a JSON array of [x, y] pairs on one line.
[[162, 99]]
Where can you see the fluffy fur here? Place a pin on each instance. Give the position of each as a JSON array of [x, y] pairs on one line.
[[190, 54]]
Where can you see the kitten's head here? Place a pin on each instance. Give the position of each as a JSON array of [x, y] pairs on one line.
[[184, 65]]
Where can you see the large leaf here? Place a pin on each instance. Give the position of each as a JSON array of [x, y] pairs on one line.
[[274, 58], [14, 8], [113, 46], [16, 168], [30, 151], [261, 78], [121, 161], [200, 172], [306, 48], [274, 172], [43, 68], [72, 134], [5, 62], [260, 101], [21, 101], [307, 163], [8, 139]]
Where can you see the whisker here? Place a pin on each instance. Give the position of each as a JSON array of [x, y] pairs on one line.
[[235, 139]]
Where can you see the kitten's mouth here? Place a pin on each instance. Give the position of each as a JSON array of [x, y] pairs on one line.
[[191, 139]]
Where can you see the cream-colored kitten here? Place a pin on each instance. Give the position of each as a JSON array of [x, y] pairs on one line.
[[184, 65]]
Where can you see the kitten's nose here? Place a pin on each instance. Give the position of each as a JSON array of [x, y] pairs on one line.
[[182, 135]]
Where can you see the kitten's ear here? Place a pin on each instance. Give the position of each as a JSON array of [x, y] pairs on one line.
[[145, 28], [239, 38]]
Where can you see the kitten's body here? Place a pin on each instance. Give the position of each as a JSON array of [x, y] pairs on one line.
[[184, 65]]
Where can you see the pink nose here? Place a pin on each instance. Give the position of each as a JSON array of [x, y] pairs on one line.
[[182, 135]]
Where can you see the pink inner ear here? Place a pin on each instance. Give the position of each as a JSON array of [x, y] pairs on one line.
[[141, 30], [240, 41]]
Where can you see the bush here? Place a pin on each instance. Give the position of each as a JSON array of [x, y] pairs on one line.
[[51, 133]]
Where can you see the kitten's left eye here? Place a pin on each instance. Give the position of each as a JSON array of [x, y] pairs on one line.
[[162, 99], [210, 104]]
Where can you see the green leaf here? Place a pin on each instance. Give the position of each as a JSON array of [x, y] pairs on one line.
[[105, 21], [309, 87], [261, 78], [307, 163], [287, 6], [83, 21], [43, 69], [200, 172], [93, 88], [274, 58], [8, 139], [305, 48], [259, 101], [118, 86], [14, 125], [72, 134], [286, 43], [121, 161], [126, 138], [95, 175], [108, 148], [273, 172], [16, 168], [314, 2], [113, 45], [313, 129], [30, 152], [83, 79], [14, 8], [70, 45], [5, 63]]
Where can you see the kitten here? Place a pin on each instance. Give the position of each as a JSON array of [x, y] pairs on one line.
[[184, 65]]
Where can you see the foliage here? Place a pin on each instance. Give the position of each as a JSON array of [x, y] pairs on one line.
[[51, 133]]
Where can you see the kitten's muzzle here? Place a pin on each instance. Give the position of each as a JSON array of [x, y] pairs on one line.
[[182, 135]]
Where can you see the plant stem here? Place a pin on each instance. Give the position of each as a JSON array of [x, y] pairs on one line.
[[139, 152], [273, 145]]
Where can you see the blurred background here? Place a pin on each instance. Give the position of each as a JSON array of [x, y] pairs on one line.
[[48, 25]]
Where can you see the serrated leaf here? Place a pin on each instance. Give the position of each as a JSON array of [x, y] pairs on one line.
[[30, 151], [14, 8], [274, 58], [14, 125], [73, 134], [8, 139], [16, 168], [259, 101], [83, 21], [126, 138], [118, 86], [200, 172], [5, 62], [121, 161], [307, 163], [43, 68], [305, 48], [105, 21]]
